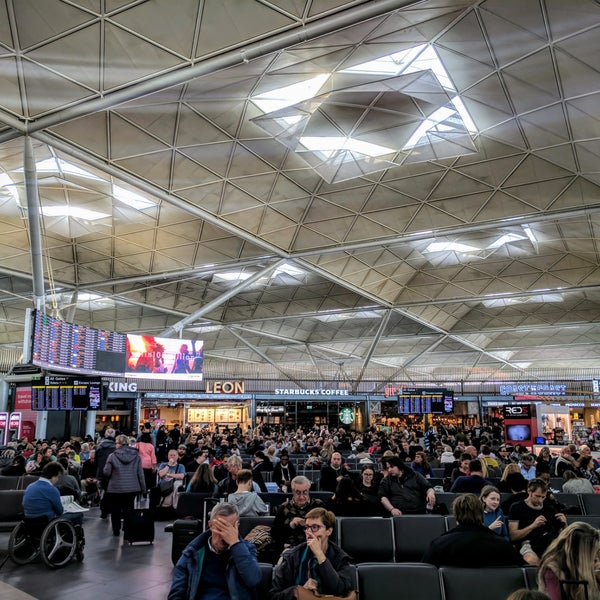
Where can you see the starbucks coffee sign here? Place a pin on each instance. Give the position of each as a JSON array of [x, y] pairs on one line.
[[347, 416]]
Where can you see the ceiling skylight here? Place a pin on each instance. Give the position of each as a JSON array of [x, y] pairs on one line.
[[328, 146], [535, 299], [412, 81], [329, 317], [450, 247], [7, 187], [57, 165], [132, 199], [418, 58], [74, 212], [288, 269], [232, 276], [290, 94], [505, 239]]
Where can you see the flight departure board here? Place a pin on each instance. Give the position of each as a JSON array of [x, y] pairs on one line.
[[423, 401], [77, 348], [58, 392]]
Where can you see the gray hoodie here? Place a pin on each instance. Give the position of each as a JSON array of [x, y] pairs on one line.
[[249, 504], [124, 471]]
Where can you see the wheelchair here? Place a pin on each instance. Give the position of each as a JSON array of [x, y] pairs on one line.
[[56, 542]]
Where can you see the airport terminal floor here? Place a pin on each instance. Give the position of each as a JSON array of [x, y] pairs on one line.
[[111, 568]]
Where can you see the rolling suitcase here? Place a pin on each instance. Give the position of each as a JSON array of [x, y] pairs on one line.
[[184, 531], [139, 527]]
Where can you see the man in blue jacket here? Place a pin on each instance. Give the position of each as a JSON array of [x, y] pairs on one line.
[[218, 564]]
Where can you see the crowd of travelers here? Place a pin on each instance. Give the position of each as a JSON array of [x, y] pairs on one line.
[[391, 474]]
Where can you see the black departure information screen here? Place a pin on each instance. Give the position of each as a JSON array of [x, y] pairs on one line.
[[425, 401], [77, 348], [66, 393]]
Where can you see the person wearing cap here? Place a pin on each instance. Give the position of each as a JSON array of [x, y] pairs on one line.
[[183, 456]]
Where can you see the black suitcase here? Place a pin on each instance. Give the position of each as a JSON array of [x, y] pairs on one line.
[[184, 531], [139, 526]]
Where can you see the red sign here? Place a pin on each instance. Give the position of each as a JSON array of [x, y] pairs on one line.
[[23, 398], [3, 427], [14, 426]]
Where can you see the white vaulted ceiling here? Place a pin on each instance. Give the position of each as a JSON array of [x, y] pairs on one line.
[[427, 207]]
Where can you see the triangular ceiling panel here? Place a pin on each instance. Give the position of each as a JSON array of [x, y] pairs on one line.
[[52, 56], [509, 41], [172, 29], [239, 22], [39, 80], [142, 57], [47, 20]]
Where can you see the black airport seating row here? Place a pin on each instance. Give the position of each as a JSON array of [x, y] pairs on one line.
[[14, 482], [398, 539], [583, 504], [192, 504], [11, 509], [416, 581]]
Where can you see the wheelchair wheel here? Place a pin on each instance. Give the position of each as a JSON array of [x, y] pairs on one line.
[[58, 543], [22, 548]]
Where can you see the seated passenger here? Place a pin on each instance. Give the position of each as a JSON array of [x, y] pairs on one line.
[[493, 515], [317, 564], [347, 501], [41, 499], [248, 502], [572, 556], [218, 563], [535, 523], [290, 517], [574, 484], [203, 480], [421, 465], [471, 543], [472, 483], [67, 484]]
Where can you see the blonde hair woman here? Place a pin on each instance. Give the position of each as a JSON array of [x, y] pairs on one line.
[[572, 556]]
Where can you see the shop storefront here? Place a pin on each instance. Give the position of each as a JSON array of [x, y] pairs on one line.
[[198, 410], [308, 407]]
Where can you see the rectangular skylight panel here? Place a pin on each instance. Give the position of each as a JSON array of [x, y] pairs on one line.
[[393, 64], [450, 247], [232, 276], [505, 239], [74, 212], [290, 94], [132, 199], [333, 144]]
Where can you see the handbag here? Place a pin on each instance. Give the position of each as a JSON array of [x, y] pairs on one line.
[[166, 487], [302, 593], [260, 536]]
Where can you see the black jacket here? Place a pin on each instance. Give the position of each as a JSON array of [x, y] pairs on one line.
[[472, 546]]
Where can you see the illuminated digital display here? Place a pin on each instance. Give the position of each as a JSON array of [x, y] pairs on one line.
[[423, 401]]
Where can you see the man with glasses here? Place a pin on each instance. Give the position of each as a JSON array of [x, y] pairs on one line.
[[317, 564], [291, 515]]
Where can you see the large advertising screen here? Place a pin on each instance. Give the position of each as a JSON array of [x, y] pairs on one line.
[[61, 346], [163, 358]]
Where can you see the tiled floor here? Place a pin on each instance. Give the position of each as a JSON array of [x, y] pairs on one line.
[[111, 569]]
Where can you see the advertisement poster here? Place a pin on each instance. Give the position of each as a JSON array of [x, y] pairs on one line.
[[164, 358]]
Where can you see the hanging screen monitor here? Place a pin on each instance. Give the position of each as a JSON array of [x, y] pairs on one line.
[[423, 401], [78, 349], [60, 392]]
